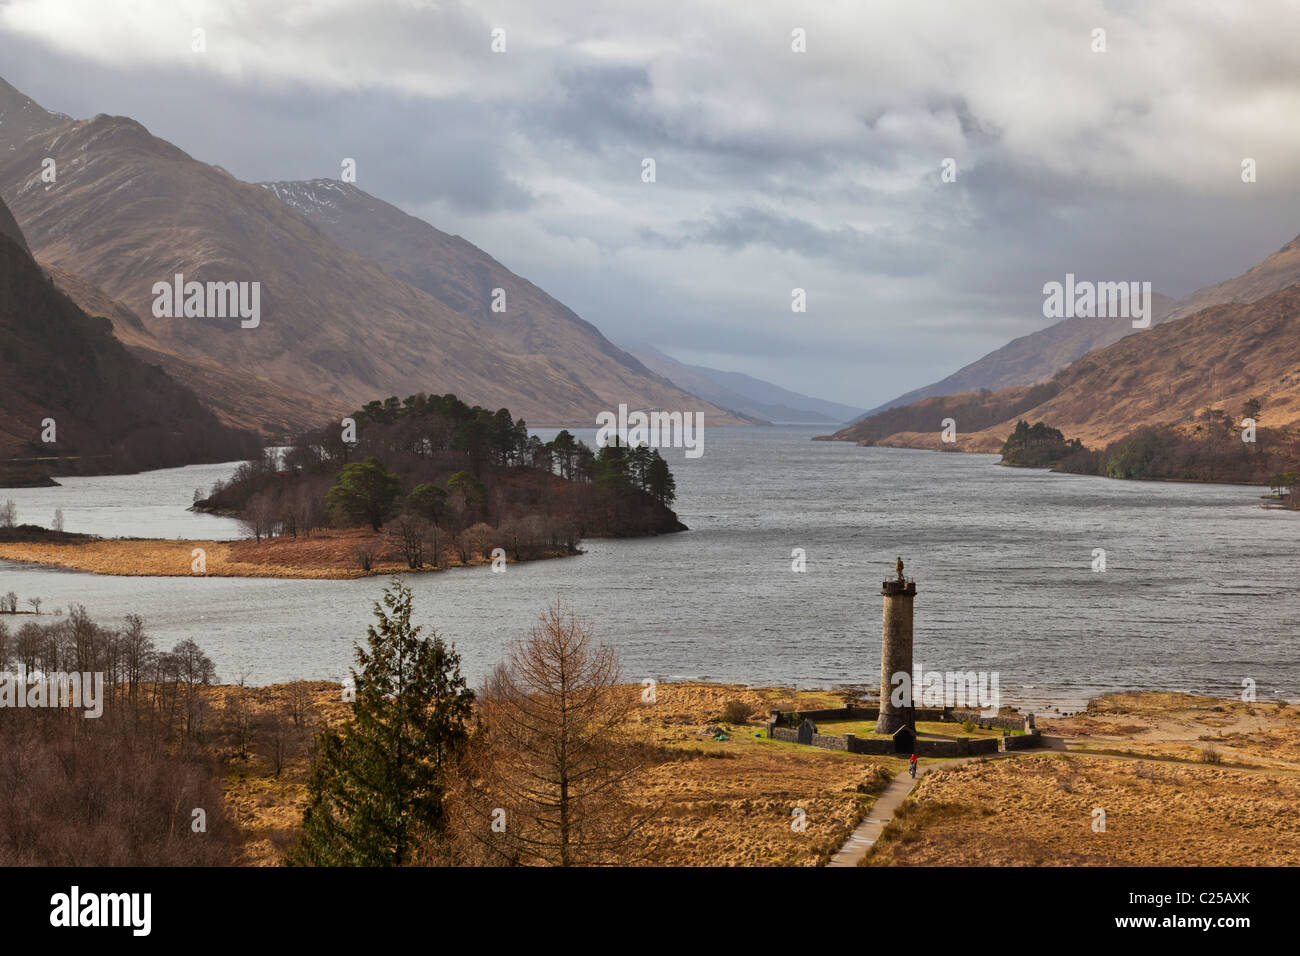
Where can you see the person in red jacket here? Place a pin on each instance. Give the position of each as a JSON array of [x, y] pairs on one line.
[[912, 766]]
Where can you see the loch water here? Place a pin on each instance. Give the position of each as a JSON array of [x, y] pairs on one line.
[[1199, 592]]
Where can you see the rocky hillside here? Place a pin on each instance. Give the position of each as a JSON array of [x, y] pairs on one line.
[[462, 278], [1037, 357], [21, 117], [130, 210], [110, 410], [9, 228], [1220, 357]]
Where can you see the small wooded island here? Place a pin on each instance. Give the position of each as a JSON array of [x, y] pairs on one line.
[[425, 482]]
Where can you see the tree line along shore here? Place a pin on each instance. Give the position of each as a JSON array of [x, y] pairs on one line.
[[1214, 448], [422, 483]]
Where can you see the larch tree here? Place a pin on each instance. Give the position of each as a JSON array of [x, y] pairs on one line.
[[553, 761]]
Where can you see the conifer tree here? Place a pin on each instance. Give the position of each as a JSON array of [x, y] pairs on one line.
[[378, 784], [659, 480]]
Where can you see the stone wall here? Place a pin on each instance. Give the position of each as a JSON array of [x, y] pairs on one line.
[[1023, 741], [835, 713], [1023, 722], [853, 712], [945, 748], [961, 747], [880, 746], [874, 746]]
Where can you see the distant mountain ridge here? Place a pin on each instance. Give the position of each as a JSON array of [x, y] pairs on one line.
[[1274, 273], [743, 393]]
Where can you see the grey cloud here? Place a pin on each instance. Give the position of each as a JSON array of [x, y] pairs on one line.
[[738, 229], [764, 172]]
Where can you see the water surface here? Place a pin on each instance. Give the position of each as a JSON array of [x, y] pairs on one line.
[[1199, 592]]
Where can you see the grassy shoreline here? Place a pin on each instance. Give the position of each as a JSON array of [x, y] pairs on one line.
[[327, 555]]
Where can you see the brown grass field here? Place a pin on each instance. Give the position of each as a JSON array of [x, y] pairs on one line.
[[719, 802], [326, 554], [1221, 787], [1039, 810], [1183, 781]]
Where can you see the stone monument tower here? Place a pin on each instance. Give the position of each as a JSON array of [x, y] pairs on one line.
[[895, 649]]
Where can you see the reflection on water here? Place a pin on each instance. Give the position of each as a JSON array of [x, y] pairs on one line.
[[1199, 592]]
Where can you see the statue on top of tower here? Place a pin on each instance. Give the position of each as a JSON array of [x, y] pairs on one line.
[[899, 568]]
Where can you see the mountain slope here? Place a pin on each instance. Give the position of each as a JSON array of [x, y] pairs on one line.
[[238, 398], [1036, 357], [21, 117], [110, 410], [744, 393], [1220, 357], [130, 210], [332, 322], [462, 277], [9, 228], [1279, 271]]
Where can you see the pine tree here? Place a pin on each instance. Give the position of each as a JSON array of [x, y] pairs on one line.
[[365, 490], [611, 465], [660, 481], [638, 465], [377, 787]]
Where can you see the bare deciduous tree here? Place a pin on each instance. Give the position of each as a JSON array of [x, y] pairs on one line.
[[260, 518], [476, 539], [298, 703], [410, 531], [365, 553], [548, 776], [239, 717], [274, 739], [436, 540]]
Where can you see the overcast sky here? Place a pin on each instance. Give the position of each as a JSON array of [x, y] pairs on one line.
[[775, 169]]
